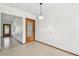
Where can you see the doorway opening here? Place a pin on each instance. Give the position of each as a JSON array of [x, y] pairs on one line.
[[6, 30], [30, 30]]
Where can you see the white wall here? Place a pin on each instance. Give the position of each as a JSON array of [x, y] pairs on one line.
[[0, 31], [17, 26], [60, 26], [17, 12]]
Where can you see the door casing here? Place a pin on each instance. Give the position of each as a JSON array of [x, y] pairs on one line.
[[6, 35]]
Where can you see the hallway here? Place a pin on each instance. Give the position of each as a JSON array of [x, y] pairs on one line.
[[30, 49]]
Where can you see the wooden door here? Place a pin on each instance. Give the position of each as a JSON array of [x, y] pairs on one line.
[[30, 30], [6, 30]]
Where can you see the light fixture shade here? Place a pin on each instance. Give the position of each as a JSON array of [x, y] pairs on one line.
[[41, 17]]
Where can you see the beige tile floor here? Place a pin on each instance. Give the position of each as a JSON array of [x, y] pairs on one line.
[[9, 42], [33, 49]]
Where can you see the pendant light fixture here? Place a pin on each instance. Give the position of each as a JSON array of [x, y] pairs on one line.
[[41, 15]]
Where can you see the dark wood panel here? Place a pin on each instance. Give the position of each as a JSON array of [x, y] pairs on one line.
[[31, 38]]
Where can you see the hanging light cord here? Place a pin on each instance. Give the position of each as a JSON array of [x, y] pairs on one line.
[[40, 8]]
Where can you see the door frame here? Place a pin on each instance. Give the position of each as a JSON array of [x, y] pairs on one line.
[[33, 28], [9, 30]]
